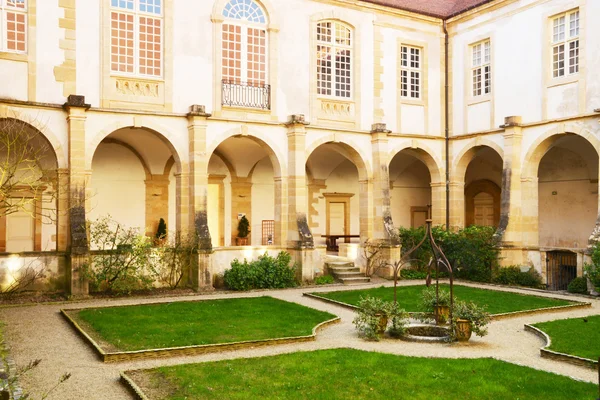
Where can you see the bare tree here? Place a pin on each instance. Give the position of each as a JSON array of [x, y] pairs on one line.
[[373, 256]]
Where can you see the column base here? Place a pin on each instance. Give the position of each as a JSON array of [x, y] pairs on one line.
[[306, 261], [201, 275], [77, 285]]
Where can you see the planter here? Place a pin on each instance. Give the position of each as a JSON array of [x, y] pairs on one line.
[[383, 322], [441, 314], [241, 241], [463, 330]]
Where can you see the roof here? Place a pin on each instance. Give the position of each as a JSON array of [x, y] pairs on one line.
[[435, 8]]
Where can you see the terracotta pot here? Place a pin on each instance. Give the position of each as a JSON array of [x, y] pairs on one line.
[[383, 322], [441, 314], [463, 330], [241, 241]]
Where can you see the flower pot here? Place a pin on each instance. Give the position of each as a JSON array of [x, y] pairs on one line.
[[463, 330], [383, 322], [241, 241], [441, 314]]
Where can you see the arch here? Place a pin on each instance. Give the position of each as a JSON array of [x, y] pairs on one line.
[[472, 190], [168, 165], [228, 165], [542, 144], [157, 129], [422, 153], [135, 153], [464, 158], [356, 156], [46, 133], [266, 143], [338, 15], [267, 6]]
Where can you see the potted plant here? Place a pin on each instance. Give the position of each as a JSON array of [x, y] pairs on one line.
[[243, 231], [374, 315], [438, 304], [161, 232], [468, 318]]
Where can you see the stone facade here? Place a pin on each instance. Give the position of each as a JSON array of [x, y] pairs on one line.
[[193, 146]]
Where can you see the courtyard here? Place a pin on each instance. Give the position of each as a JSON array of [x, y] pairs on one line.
[[39, 331]]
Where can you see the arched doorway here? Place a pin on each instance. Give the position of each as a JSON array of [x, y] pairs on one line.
[[483, 180]]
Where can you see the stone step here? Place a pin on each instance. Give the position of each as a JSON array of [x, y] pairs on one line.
[[339, 264], [344, 270], [347, 274], [353, 280]]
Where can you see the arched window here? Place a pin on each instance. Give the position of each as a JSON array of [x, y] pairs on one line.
[[244, 43], [334, 59]]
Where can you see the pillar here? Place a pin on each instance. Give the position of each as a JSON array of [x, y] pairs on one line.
[[511, 223], [457, 203], [201, 269], [182, 201], [62, 207], [438, 203], [77, 244], [299, 238], [383, 226]]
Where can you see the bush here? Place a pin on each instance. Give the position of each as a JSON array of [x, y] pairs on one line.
[[514, 276], [578, 285], [416, 274], [324, 280], [429, 299], [243, 227], [265, 273], [122, 263], [472, 251]]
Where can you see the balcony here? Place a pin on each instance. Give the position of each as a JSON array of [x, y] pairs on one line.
[[246, 94]]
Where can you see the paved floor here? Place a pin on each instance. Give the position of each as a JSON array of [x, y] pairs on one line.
[[40, 332]]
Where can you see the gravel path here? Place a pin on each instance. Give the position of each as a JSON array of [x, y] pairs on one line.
[[40, 332]]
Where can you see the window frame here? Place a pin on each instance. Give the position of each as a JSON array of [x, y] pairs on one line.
[[4, 10], [333, 48], [245, 26], [565, 42], [485, 61], [137, 14], [409, 70]]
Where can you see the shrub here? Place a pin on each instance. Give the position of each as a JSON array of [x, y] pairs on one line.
[[161, 231], [243, 227], [578, 285], [371, 311], [265, 273], [429, 298], [324, 280], [472, 251], [417, 274], [122, 261], [514, 276]]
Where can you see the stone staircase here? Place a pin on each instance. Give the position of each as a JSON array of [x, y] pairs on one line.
[[344, 271]]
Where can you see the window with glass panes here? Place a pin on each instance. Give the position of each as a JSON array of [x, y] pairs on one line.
[[13, 26], [481, 68], [244, 43], [334, 59], [136, 37], [410, 72], [565, 44]]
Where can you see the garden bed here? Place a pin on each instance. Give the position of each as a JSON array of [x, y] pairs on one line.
[[347, 373], [575, 340], [194, 327], [498, 303]]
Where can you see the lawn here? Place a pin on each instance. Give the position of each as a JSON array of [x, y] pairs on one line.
[[354, 374], [200, 322], [409, 298], [574, 336]]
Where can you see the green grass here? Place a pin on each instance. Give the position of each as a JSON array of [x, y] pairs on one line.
[[353, 374], [409, 298], [201, 322], [574, 336]]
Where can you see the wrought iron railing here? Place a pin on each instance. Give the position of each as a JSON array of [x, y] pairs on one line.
[[244, 94]]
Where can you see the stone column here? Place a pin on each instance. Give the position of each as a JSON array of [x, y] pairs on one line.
[[457, 204], [77, 244], [182, 202], [300, 241], [201, 271], [511, 222], [438, 203], [62, 207], [383, 226]]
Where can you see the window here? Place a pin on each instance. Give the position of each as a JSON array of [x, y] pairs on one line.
[[244, 41], [565, 44], [136, 37], [410, 72], [334, 59], [13, 26], [481, 68]]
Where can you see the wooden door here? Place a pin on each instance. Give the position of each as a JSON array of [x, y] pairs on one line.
[[337, 219], [20, 230], [484, 209]]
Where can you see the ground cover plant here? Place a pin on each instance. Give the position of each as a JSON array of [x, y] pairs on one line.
[[199, 322], [354, 374], [576, 336], [409, 298]]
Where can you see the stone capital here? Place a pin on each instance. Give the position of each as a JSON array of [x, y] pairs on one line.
[[197, 110], [297, 119], [76, 101], [380, 127]]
